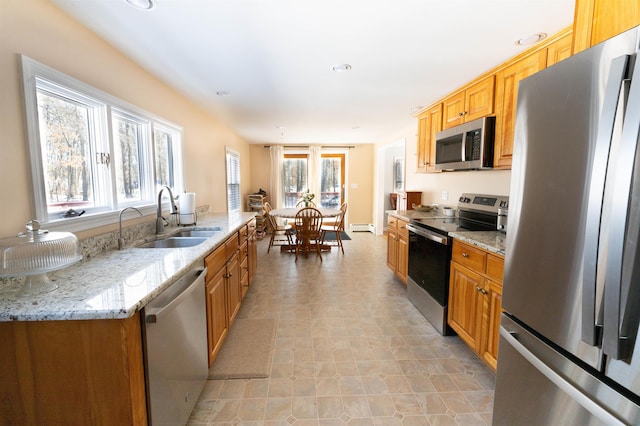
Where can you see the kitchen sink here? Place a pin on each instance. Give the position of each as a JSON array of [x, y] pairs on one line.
[[175, 242], [209, 232]]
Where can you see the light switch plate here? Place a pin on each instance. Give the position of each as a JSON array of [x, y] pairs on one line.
[[445, 195]]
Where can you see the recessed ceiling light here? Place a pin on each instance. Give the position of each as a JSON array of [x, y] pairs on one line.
[[531, 39], [142, 4], [341, 67], [416, 108], [222, 93], [355, 127]]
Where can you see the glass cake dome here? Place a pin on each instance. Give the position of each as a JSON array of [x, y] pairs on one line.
[[34, 253]]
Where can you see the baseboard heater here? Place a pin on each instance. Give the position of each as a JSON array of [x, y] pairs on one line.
[[362, 227]]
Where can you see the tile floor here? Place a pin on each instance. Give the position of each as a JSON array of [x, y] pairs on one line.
[[350, 349]]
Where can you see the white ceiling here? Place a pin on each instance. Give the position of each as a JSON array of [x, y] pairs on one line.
[[274, 57]]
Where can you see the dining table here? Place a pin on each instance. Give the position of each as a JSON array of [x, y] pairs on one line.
[[290, 213]]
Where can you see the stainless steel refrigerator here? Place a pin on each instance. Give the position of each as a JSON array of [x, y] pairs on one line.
[[568, 350]]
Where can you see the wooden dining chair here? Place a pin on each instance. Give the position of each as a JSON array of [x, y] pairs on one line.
[[302, 204], [278, 231], [337, 227], [308, 224]]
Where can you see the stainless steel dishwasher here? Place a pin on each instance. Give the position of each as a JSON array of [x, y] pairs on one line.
[[175, 335]]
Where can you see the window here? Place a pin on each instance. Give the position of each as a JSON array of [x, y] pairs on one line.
[[92, 153], [294, 178], [234, 203]]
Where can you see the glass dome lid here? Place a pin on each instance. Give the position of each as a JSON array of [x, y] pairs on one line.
[[34, 253]]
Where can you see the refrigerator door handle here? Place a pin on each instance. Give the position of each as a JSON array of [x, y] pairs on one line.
[[590, 329], [615, 345], [559, 381]]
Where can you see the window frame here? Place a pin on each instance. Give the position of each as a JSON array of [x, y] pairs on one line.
[[35, 73]]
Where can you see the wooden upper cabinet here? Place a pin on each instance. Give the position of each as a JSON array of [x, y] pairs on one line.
[[559, 50], [599, 20], [474, 102], [506, 96], [429, 123]]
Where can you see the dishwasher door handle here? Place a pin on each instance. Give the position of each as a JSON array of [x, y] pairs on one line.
[[155, 315]]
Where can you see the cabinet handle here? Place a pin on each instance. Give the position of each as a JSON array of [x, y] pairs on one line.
[[481, 290], [465, 255]]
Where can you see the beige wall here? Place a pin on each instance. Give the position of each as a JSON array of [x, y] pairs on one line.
[[42, 32], [360, 172]]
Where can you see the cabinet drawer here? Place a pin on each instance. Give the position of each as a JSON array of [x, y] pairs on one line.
[[251, 226], [495, 267], [242, 233], [244, 251], [402, 228], [231, 245], [215, 261], [392, 222], [469, 256]]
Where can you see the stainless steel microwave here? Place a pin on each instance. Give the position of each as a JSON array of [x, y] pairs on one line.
[[468, 146]]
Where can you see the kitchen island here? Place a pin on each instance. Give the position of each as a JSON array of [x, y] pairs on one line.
[[75, 355]]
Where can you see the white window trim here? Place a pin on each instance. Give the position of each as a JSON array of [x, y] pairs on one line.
[[31, 70], [229, 151]]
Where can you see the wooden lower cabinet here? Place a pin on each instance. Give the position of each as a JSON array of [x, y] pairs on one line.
[[224, 293], [475, 292], [398, 247], [466, 305], [72, 372], [217, 317]]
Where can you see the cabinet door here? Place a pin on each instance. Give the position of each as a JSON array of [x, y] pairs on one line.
[[234, 287], [465, 305], [244, 277], [599, 20], [402, 268], [506, 97], [559, 50], [453, 110], [423, 153], [253, 255], [392, 249], [491, 323], [429, 123], [217, 318], [479, 99]]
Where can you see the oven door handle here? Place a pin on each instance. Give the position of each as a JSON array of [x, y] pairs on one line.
[[429, 235]]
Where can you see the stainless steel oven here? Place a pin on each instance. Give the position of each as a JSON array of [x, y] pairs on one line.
[[427, 285], [430, 252]]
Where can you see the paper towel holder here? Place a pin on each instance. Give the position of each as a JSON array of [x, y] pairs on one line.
[[187, 219]]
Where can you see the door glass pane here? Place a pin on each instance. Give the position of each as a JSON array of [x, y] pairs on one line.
[[127, 136], [64, 138], [294, 179], [331, 185]]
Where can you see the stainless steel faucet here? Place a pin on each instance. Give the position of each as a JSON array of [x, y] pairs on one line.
[[120, 239], [160, 220]]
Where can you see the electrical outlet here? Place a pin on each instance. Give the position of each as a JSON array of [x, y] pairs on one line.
[[445, 195]]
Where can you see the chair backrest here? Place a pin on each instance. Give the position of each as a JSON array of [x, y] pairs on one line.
[[340, 222], [302, 204], [308, 223], [271, 220]]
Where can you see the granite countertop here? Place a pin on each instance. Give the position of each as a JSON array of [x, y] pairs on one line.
[[492, 241], [115, 284]]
